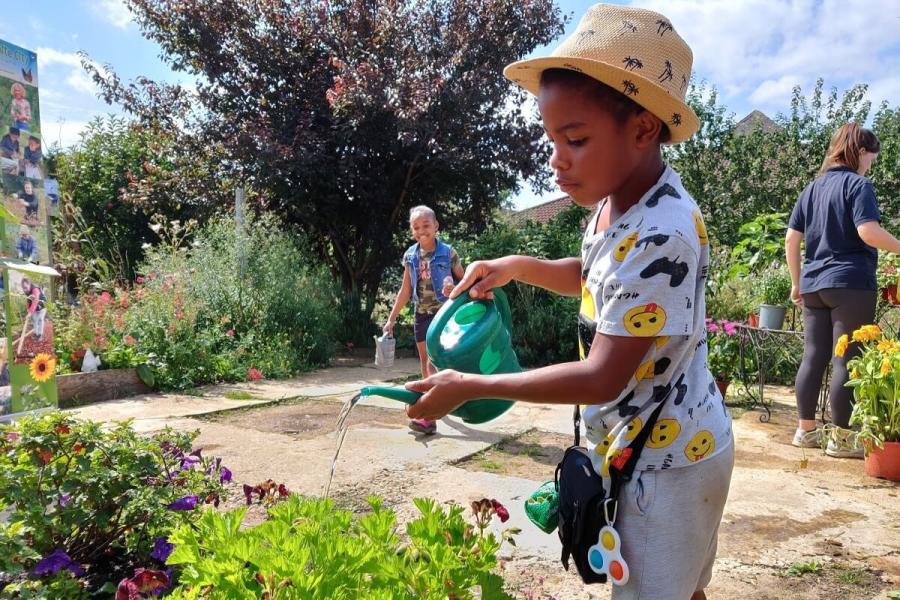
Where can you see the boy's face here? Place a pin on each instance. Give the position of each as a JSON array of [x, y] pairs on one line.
[[33, 144], [423, 228], [593, 155], [28, 188]]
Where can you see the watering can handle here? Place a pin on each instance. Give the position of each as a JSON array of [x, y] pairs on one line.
[[394, 393], [449, 309]]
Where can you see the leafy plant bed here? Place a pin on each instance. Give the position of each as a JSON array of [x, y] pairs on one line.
[[531, 455], [78, 389], [307, 418]]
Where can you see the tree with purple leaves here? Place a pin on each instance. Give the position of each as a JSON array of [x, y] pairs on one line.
[[342, 115]]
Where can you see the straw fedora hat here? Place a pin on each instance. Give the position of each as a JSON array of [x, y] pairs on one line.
[[632, 50]]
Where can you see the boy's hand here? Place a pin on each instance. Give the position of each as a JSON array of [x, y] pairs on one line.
[[388, 329], [488, 274], [444, 392]]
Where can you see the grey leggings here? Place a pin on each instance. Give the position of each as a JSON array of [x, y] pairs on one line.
[[827, 315]]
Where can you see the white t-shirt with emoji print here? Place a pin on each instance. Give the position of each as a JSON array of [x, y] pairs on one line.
[[645, 276]]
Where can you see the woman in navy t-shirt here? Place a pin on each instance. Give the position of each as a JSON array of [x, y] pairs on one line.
[[838, 218]]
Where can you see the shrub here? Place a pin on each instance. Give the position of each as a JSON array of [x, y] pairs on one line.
[[212, 305], [93, 504], [309, 549]]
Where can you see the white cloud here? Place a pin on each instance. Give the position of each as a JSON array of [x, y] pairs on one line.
[[72, 74], [761, 49], [51, 56], [113, 12], [79, 80]]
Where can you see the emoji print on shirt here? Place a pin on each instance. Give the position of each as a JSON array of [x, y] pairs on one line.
[[701, 228], [645, 321], [701, 445], [587, 324], [663, 433], [625, 247]]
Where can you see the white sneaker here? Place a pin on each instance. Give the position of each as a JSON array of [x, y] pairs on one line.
[[846, 448], [807, 438]]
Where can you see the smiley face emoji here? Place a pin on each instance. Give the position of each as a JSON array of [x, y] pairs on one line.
[[603, 445], [701, 228], [625, 246], [645, 321], [700, 446], [663, 433], [634, 428], [604, 468], [645, 371]]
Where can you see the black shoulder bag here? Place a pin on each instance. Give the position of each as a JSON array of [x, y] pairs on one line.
[[585, 508]]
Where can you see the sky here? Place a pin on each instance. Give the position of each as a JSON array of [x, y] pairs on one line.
[[753, 51]]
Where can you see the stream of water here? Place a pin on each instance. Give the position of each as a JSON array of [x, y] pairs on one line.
[[343, 423]]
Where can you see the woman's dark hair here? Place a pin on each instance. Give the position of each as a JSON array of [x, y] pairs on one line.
[[614, 102], [846, 144]]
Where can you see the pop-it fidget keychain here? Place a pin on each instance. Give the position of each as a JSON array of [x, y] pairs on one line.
[[605, 557]]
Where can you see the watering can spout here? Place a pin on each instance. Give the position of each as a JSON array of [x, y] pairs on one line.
[[394, 393]]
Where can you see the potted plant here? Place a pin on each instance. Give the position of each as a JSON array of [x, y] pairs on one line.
[[774, 295], [723, 352], [889, 276], [875, 379]]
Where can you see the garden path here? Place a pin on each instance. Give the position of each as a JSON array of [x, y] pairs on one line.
[[788, 532]]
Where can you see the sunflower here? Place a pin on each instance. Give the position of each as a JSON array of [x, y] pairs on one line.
[[42, 367]]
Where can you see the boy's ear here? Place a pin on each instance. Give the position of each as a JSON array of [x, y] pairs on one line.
[[648, 128]]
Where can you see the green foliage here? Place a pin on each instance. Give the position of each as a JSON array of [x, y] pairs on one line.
[[308, 549], [103, 225], [736, 176], [229, 302], [99, 495], [875, 379], [544, 323], [342, 139], [761, 244], [727, 297], [800, 568], [775, 287]]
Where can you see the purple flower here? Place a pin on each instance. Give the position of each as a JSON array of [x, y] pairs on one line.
[[161, 549], [224, 475], [185, 503], [64, 499], [188, 462], [56, 562]]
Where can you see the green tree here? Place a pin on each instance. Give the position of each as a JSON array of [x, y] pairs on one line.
[[346, 114], [109, 179]]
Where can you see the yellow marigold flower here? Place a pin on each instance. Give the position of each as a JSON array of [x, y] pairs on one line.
[[886, 345], [867, 333], [886, 366], [842, 344], [854, 374]]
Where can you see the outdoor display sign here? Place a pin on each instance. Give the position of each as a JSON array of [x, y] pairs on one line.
[[29, 195]]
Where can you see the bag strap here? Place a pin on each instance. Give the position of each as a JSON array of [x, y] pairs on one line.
[[576, 418]]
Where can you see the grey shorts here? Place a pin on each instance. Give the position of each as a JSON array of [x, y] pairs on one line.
[[669, 525]]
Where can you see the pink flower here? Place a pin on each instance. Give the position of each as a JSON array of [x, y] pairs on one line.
[[139, 279], [730, 329], [712, 327], [129, 340], [253, 374], [105, 297], [500, 511], [230, 333], [11, 436]]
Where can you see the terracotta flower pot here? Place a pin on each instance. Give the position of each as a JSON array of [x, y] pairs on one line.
[[884, 462], [753, 320], [722, 384]]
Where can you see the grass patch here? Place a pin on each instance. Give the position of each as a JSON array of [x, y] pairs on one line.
[[195, 392], [489, 465], [240, 395], [802, 568]]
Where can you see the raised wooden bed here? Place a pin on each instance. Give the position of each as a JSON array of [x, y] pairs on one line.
[[78, 389]]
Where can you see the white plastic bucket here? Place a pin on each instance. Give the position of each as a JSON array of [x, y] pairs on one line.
[[384, 351]]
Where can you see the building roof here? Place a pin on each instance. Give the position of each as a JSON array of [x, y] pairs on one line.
[[756, 119], [542, 213]]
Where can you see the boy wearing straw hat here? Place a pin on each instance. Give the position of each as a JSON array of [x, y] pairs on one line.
[[609, 96]]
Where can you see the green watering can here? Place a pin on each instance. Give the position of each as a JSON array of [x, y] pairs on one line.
[[471, 336]]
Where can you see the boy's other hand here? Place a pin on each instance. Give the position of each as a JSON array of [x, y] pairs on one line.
[[388, 329], [443, 393], [484, 275]]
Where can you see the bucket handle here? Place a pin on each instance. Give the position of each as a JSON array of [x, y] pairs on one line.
[[447, 311]]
